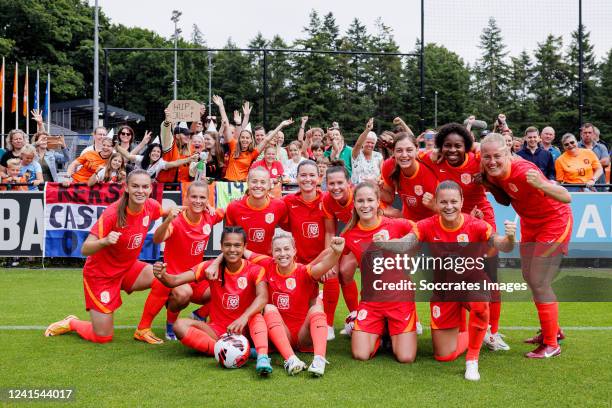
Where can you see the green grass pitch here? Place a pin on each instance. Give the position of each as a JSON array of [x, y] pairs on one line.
[[130, 373]]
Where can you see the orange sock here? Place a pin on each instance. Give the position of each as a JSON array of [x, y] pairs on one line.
[[85, 330], [462, 345], [351, 295], [549, 321], [477, 328], [494, 313], [199, 340], [171, 316], [203, 311], [318, 333], [278, 334], [259, 333], [158, 296], [463, 324], [331, 293]]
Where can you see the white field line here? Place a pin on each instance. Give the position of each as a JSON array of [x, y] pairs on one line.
[[502, 328]]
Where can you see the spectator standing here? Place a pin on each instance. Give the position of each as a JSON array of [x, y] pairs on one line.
[[339, 150], [589, 141], [15, 141], [577, 165], [548, 137], [533, 152], [366, 163], [30, 168]]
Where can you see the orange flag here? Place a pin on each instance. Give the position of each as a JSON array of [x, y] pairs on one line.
[[2, 85], [26, 95], [14, 102]]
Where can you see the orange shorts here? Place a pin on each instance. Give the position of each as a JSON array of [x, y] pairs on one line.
[[400, 317], [294, 331], [546, 240], [103, 294], [198, 288]]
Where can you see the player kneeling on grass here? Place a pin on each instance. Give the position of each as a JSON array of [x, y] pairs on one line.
[[238, 294], [293, 317], [450, 231], [112, 249]]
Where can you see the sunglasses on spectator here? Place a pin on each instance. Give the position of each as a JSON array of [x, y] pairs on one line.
[[125, 133], [570, 143]]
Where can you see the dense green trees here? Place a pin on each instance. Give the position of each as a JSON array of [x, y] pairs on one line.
[[537, 87]]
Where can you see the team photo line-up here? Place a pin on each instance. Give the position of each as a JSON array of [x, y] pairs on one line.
[[265, 284]]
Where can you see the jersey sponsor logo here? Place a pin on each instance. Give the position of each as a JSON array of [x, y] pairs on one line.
[[418, 190], [197, 247], [362, 314], [435, 311], [411, 201], [310, 229], [466, 178], [145, 221], [512, 187], [269, 218], [135, 241], [242, 282], [105, 297], [230, 302], [257, 234], [290, 283], [206, 229], [281, 300]]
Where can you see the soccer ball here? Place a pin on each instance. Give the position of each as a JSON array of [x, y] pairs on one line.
[[349, 322], [232, 350]]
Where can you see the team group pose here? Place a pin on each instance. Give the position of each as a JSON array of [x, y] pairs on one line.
[[265, 283]]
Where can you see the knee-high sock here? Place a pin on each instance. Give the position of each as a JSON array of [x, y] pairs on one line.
[[549, 321], [158, 296], [85, 330], [199, 340], [462, 345], [331, 293], [477, 328], [463, 324], [259, 333], [351, 295], [494, 313], [278, 334], [171, 316], [318, 333]]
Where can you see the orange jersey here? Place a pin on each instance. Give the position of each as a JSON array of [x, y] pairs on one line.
[[471, 229], [411, 189], [306, 223], [186, 241], [334, 211], [90, 163], [358, 238], [293, 293], [21, 179], [178, 174], [578, 169], [474, 194], [233, 292], [115, 260], [258, 223], [238, 168]]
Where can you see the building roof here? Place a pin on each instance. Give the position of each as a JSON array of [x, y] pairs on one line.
[[87, 105]]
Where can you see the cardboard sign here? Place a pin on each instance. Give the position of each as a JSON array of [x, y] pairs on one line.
[[184, 111], [55, 142]]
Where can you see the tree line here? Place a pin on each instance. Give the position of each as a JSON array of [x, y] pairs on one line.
[[537, 87]]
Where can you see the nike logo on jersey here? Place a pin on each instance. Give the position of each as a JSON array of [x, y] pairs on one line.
[[244, 218], [437, 239], [294, 206], [357, 240]]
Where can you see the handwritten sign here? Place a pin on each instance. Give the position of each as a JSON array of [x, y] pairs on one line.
[[184, 111]]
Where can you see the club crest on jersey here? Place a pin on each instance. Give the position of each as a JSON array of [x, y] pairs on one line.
[[418, 190], [281, 300], [362, 314], [383, 234], [270, 218], [104, 297], [145, 221], [290, 283], [274, 172], [310, 229], [466, 178], [197, 247], [463, 238], [512, 187], [135, 241], [435, 311], [411, 201], [206, 229], [257, 234], [230, 302], [242, 282]]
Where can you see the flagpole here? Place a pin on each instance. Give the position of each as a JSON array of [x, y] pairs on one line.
[[3, 101], [16, 96], [49, 104], [26, 103]]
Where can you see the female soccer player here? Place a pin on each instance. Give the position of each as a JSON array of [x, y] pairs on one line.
[[256, 212], [398, 316], [454, 160], [545, 234], [451, 226], [186, 235], [238, 294], [112, 264], [411, 179]]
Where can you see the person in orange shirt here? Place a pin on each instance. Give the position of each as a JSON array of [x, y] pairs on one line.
[[89, 163], [174, 147], [577, 165]]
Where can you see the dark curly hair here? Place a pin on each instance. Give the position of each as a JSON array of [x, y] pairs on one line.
[[454, 128]]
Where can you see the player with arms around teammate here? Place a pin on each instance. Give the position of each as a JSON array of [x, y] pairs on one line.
[[112, 249], [186, 232], [238, 294]]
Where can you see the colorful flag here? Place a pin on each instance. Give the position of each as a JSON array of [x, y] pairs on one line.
[[47, 91], [14, 102], [26, 94], [36, 92]]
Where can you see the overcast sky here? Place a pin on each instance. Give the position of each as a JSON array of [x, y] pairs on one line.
[[455, 24]]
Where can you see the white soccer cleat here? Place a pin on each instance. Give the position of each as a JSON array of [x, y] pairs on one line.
[[344, 332], [419, 328], [471, 370], [317, 367], [294, 365], [330, 333], [495, 342]]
